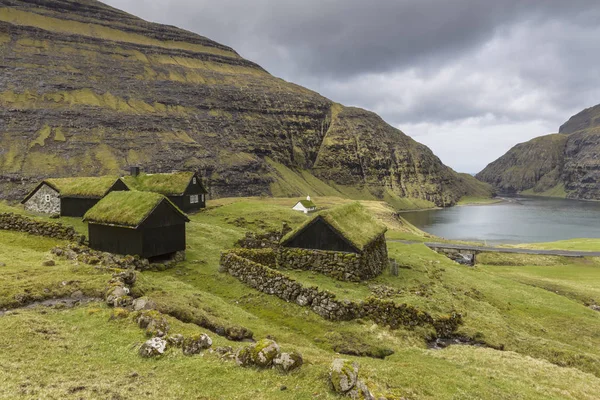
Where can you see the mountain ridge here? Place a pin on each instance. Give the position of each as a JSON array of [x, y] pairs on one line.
[[564, 164], [87, 89]]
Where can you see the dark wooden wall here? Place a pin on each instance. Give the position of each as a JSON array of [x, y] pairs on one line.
[[114, 239], [76, 206], [118, 186], [320, 236], [163, 240]]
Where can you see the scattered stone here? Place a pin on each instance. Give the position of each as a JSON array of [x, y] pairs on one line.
[[595, 307], [143, 304], [153, 347], [118, 296], [195, 344], [343, 375], [287, 362], [360, 392], [238, 333], [119, 313], [2, 264], [224, 350], [175, 340], [78, 294], [128, 277], [261, 354], [49, 263], [134, 374], [283, 387], [154, 323]]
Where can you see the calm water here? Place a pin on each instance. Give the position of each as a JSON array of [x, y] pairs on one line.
[[517, 220]]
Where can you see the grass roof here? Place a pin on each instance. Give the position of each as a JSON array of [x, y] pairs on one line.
[[307, 203], [351, 220], [126, 208], [84, 186], [169, 184]]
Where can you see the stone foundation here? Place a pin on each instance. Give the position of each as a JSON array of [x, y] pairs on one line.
[[351, 267]]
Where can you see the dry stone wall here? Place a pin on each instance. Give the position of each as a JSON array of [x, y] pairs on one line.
[[350, 267], [324, 303], [46, 200], [20, 223]]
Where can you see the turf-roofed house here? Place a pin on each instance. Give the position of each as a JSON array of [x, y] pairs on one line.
[[184, 189], [71, 197], [344, 242], [137, 223], [305, 206]]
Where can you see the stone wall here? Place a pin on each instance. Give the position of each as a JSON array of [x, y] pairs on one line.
[[374, 259], [325, 304], [265, 256], [15, 222], [338, 265], [38, 202]]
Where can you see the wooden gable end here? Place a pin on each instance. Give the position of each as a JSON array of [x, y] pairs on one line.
[[165, 214], [195, 188], [118, 186], [319, 235]]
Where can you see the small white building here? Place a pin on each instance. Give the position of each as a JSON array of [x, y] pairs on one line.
[[305, 206]]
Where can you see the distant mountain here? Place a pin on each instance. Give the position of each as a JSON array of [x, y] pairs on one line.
[[566, 164], [86, 89]]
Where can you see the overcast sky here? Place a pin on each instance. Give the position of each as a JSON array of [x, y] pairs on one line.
[[468, 78]]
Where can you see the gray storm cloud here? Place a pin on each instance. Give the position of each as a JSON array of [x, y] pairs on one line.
[[493, 73]]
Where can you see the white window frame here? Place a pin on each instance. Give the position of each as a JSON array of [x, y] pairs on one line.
[[202, 198], [47, 198], [194, 199], [194, 181]]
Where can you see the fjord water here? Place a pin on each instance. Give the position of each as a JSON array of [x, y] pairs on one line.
[[515, 220]]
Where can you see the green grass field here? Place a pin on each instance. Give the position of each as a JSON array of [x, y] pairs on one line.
[[535, 309]]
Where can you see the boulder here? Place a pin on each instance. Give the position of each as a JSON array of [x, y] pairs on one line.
[[261, 354], [196, 343], [343, 375], [153, 347], [143, 304], [286, 362], [175, 340], [49, 263], [154, 323], [360, 392]]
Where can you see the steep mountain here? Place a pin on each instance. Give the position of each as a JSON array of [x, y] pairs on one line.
[[86, 89], [566, 164]]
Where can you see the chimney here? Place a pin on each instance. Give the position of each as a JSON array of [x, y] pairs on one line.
[[308, 198], [134, 171]]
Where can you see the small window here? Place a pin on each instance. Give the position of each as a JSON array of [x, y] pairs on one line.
[[194, 199], [203, 198], [47, 198], [194, 180]]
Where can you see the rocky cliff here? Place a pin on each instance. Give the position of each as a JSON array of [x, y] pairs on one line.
[[566, 164], [86, 89]]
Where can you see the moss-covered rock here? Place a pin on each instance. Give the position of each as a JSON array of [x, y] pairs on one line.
[[287, 362], [343, 375], [196, 343], [261, 354], [153, 322], [153, 347]]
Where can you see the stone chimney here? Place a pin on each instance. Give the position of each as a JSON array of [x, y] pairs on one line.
[[308, 198], [134, 170]]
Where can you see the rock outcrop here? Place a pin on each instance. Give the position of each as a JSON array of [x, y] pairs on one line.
[[558, 165], [87, 89]]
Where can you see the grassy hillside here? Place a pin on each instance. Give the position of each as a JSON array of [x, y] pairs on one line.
[[542, 344]]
